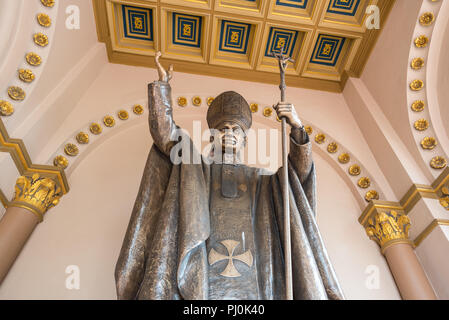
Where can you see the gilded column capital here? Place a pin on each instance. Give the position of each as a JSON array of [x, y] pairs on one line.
[[387, 228], [37, 194]]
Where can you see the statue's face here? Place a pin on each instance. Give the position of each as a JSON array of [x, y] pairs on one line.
[[230, 136]]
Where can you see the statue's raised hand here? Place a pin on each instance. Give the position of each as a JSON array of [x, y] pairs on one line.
[[164, 75]]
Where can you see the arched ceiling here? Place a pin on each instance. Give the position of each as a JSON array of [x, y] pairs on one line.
[[328, 39]]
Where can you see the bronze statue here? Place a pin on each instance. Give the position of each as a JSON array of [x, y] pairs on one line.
[[215, 230]]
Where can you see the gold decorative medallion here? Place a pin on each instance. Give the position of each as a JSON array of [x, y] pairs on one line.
[[109, 121], [123, 115], [421, 124], [210, 100], [61, 162], [40, 39], [320, 138], [33, 59], [371, 195], [6, 108], [417, 63], [82, 138], [416, 85], [182, 101], [196, 101], [418, 106], [354, 170], [444, 201], [364, 182], [71, 150], [95, 128], [344, 158], [254, 107], [309, 130], [16, 93], [438, 163], [429, 143], [421, 41], [332, 147], [48, 3], [427, 19], [26, 75], [44, 20], [138, 109], [267, 112]]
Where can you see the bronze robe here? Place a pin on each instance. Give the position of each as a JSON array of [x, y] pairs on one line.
[[164, 251]]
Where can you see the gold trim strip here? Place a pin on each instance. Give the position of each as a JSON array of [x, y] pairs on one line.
[[28, 208], [16, 148], [428, 230], [3, 200]]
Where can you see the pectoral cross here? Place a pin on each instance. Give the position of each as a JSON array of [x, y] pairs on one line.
[[230, 271]]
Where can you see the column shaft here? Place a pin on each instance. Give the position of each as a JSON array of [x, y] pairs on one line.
[[408, 273], [16, 227]]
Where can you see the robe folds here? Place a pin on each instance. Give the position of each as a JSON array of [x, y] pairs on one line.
[[164, 252]]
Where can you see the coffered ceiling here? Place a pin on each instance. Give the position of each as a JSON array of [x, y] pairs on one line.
[[327, 39]]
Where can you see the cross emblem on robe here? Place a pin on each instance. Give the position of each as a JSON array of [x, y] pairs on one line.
[[230, 271]]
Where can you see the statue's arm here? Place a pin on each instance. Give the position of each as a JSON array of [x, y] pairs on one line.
[[300, 152], [162, 126]]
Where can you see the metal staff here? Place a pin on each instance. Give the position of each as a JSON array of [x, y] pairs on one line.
[[283, 61]]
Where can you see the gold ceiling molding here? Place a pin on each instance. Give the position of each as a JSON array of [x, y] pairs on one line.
[[405, 205], [19, 154], [234, 38]]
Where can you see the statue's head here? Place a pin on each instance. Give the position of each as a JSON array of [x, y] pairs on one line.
[[229, 114]]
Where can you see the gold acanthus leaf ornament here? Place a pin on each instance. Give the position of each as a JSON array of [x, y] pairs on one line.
[[37, 194], [385, 228]]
